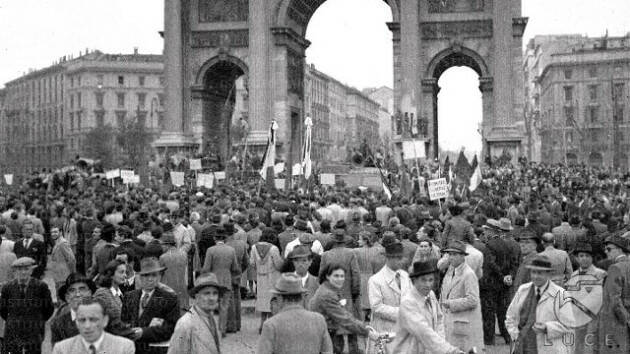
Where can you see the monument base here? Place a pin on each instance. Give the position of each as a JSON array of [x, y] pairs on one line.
[[174, 142]]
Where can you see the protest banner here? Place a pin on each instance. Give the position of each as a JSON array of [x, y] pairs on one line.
[[177, 178], [278, 168], [135, 179], [327, 179], [126, 175], [279, 183], [111, 174], [195, 164], [219, 175], [205, 180], [297, 169], [438, 188], [9, 179], [413, 149]]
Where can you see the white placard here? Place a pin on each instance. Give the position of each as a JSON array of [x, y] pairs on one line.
[[177, 178], [135, 179], [126, 175], [327, 179], [219, 175], [278, 168], [195, 164], [413, 149], [279, 183], [9, 179], [205, 180], [297, 169], [111, 174], [438, 188]]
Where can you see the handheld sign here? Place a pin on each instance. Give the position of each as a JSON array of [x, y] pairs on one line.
[[438, 188], [8, 179], [279, 183], [177, 178], [327, 179], [126, 175], [219, 175], [112, 174], [195, 164]]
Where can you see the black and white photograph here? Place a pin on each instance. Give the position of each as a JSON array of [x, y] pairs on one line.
[[314, 177]]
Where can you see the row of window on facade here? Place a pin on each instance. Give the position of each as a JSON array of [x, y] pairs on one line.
[[592, 114], [618, 90], [592, 71]]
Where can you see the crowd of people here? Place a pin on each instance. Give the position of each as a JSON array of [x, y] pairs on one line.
[[124, 269]]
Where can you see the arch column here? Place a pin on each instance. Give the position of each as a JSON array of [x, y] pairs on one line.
[[430, 90], [486, 86]]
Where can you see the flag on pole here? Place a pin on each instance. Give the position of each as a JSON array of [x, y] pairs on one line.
[[306, 149], [475, 179], [448, 170], [269, 158]]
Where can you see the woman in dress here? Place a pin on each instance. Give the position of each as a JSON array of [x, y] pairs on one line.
[[110, 295], [265, 259]]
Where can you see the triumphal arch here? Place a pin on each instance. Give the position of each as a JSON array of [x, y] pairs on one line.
[[210, 44]]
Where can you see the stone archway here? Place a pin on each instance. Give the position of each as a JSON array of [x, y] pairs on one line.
[[215, 93], [452, 57]]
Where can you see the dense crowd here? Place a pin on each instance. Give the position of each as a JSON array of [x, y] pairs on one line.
[[118, 268]]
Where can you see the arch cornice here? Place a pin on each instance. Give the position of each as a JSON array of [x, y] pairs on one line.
[[457, 50], [201, 74]]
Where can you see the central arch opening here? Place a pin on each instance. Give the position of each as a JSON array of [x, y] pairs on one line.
[[348, 80], [459, 109]]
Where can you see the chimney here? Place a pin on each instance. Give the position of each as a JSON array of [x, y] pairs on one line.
[[135, 50]]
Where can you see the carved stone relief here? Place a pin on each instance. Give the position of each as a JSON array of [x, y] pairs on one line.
[[220, 39], [453, 29], [446, 6], [223, 10]]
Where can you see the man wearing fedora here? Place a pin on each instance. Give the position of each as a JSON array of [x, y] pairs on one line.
[[25, 305], [460, 300], [586, 272], [385, 289], [301, 258], [293, 329], [152, 311], [175, 260], [351, 290], [531, 320], [420, 325], [560, 260], [221, 260], [614, 317], [528, 243], [76, 288], [197, 331]]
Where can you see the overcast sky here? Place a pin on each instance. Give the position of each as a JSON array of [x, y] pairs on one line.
[[350, 41]]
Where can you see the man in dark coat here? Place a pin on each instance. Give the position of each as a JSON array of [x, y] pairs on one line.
[[151, 311], [25, 305], [76, 289], [242, 257], [30, 247]]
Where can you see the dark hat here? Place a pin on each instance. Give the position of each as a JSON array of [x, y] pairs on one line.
[[229, 228], [167, 226], [341, 224], [73, 279], [124, 231], [205, 280], [288, 284], [150, 265], [389, 237], [339, 235], [289, 219], [583, 247], [617, 241], [540, 262], [456, 247], [300, 251], [422, 268], [394, 249], [301, 225]]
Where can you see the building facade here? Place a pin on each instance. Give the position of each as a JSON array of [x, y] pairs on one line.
[[384, 96], [342, 116], [48, 112], [584, 103]]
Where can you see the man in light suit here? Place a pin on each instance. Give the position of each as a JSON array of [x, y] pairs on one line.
[[293, 329], [385, 289], [221, 260], [91, 321]]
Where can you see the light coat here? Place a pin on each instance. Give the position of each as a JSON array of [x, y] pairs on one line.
[[294, 330], [420, 329], [267, 266], [176, 274], [553, 342], [462, 320], [62, 261], [384, 297], [111, 344], [193, 334]]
